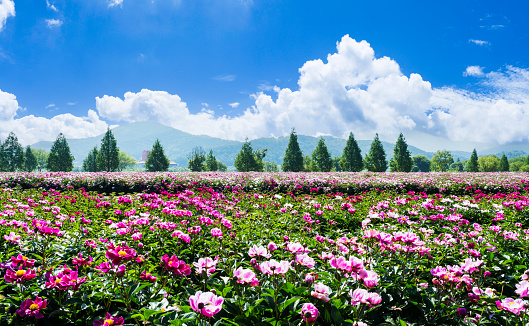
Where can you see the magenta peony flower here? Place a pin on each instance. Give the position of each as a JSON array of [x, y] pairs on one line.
[[120, 253], [31, 308], [206, 303], [23, 260], [370, 278], [148, 277], [109, 320], [216, 233], [179, 267], [309, 313], [19, 276]]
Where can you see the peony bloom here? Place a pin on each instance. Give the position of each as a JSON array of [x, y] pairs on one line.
[[272, 267], [19, 276], [109, 320], [82, 261], [311, 277], [305, 260], [511, 305], [206, 303], [370, 278], [321, 291], [67, 279], [179, 267], [522, 289], [358, 296], [148, 277], [23, 260], [295, 248], [206, 264], [341, 263], [309, 313], [31, 308], [12, 237], [245, 276], [216, 233], [259, 251], [120, 253], [272, 246]]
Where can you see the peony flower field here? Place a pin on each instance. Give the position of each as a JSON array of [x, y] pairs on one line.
[[264, 249]]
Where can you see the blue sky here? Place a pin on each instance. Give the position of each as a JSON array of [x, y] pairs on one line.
[[237, 68]]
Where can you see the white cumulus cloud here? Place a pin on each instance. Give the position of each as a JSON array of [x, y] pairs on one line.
[[31, 129], [234, 105], [479, 42], [7, 9], [53, 23], [475, 71], [114, 3]]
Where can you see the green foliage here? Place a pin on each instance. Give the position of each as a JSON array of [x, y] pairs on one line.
[[472, 165], [336, 164], [11, 154], [248, 160], [489, 163], [221, 166], [421, 163], [60, 158], [197, 159], [90, 162], [401, 160], [42, 158], [306, 163], [108, 156], [457, 166], [375, 160], [156, 160], [30, 161], [270, 166], [351, 160], [125, 161], [211, 162], [293, 160], [321, 159], [441, 161], [504, 164]]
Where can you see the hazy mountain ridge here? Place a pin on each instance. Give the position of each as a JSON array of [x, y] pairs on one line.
[[136, 137]]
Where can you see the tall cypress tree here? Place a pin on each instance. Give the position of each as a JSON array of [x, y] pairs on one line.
[[156, 160], [90, 162], [293, 160], [211, 162], [30, 161], [108, 156], [321, 158], [60, 157], [401, 160], [352, 156], [504, 164], [11, 154], [375, 160], [472, 165]]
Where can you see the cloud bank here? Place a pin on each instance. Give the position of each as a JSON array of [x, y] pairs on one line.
[[7, 9], [352, 90]]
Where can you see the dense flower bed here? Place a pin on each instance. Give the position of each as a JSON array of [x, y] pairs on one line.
[[223, 249]]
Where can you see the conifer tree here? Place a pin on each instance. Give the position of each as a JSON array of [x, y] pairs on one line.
[[30, 161], [108, 156], [90, 162], [375, 160], [156, 160], [352, 156], [60, 158], [211, 162], [196, 160], [401, 160], [321, 158], [293, 160], [472, 165], [11, 154], [248, 159], [504, 164]]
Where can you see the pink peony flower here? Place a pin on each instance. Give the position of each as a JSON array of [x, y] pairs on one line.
[[19, 276], [176, 266], [23, 260], [358, 296], [216, 232], [12, 237], [109, 320], [522, 289], [309, 313], [272, 247], [321, 291], [259, 251], [31, 308], [82, 261], [295, 248], [206, 303], [273, 267], [119, 253], [206, 264], [370, 278], [511, 305], [148, 277], [245, 276], [305, 260]]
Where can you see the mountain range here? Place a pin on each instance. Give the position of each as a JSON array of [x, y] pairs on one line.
[[136, 137]]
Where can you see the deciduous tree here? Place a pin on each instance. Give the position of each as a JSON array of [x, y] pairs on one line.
[[421, 163], [504, 163], [441, 161], [125, 161]]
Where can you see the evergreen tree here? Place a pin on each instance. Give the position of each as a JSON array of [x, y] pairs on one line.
[[441, 161], [30, 161], [472, 165], [321, 157], [221, 166], [90, 162], [11, 154], [211, 162], [196, 160], [60, 158], [293, 160], [351, 160], [504, 164], [108, 156], [156, 160], [375, 160], [249, 160], [401, 160]]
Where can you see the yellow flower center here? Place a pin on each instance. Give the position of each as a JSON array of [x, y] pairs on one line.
[[510, 303], [170, 263], [57, 281], [122, 253], [34, 307], [24, 258], [109, 322], [21, 273]]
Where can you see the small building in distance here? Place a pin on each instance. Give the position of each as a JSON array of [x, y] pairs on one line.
[[145, 154]]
